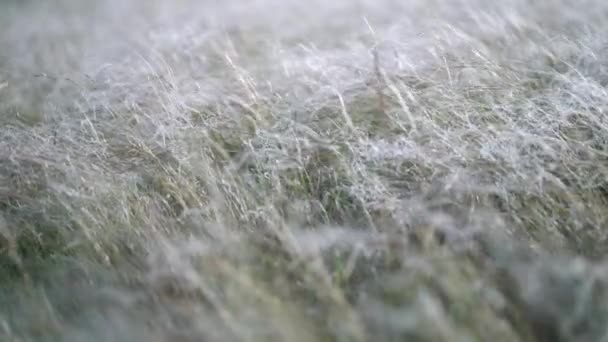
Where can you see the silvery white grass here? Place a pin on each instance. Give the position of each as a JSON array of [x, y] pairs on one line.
[[303, 171]]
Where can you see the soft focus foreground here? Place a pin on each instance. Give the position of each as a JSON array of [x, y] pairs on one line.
[[275, 170]]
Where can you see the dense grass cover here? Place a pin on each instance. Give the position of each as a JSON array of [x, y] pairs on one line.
[[279, 170]]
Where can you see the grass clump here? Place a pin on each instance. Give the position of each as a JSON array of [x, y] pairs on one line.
[[335, 172]]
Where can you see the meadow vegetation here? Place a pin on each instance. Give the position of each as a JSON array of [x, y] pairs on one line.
[[274, 170]]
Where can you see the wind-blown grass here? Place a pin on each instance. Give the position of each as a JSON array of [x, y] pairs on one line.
[[274, 171]]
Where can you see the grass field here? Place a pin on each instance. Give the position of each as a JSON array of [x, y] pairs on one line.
[[279, 170]]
